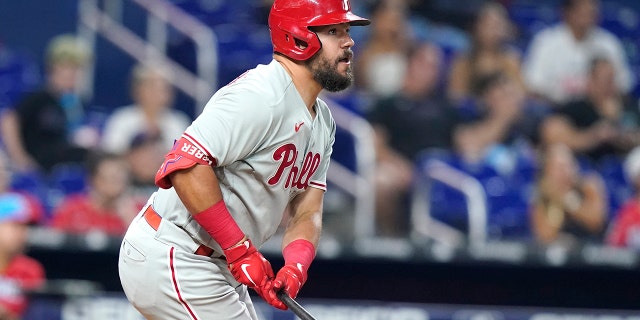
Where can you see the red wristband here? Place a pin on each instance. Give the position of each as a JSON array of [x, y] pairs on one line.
[[299, 251], [219, 223]]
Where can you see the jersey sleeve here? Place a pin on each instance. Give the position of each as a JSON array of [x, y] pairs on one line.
[[319, 178], [232, 126]]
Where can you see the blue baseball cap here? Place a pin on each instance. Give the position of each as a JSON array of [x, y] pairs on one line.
[[14, 208]]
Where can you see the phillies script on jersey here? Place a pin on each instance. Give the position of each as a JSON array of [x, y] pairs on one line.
[[297, 177]]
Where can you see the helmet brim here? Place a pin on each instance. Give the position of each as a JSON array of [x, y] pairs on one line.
[[348, 17]]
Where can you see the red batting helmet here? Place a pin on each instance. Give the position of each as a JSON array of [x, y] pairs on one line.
[[290, 19]]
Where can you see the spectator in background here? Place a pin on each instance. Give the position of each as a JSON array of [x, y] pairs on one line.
[[569, 206], [417, 118], [489, 53], [144, 156], [20, 201], [46, 126], [106, 207], [382, 62], [624, 230], [18, 273], [501, 128], [151, 114], [602, 123], [557, 63]]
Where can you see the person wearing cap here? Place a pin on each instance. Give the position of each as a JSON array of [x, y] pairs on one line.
[[18, 272]]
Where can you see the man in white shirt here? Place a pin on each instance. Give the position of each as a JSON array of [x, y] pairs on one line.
[[558, 58]]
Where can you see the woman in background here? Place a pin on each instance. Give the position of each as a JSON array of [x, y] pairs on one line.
[[569, 205], [488, 53]]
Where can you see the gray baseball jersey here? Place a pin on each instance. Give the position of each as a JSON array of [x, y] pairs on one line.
[[266, 146]]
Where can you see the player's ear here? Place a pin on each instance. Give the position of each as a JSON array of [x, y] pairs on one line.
[[301, 44]]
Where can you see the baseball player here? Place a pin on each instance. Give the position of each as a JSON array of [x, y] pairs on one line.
[[260, 148]]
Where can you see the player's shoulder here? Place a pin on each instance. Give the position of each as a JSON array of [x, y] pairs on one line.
[[262, 89], [265, 81]]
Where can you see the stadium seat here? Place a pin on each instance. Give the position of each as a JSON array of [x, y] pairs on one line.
[[19, 73], [508, 196], [68, 178], [618, 188], [31, 182], [241, 47], [344, 150]]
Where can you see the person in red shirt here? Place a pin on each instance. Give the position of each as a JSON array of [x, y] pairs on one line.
[[625, 228], [106, 206], [18, 272]]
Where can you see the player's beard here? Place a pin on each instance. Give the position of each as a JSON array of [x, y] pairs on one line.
[[326, 72]]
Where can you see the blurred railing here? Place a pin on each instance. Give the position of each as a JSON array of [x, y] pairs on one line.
[[107, 21], [423, 223], [359, 183]]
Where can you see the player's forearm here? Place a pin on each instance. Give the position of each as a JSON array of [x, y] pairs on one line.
[[304, 225], [200, 192], [197, 188], [306, 219]]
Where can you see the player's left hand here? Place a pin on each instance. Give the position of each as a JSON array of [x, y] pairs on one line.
[[291, 278], [248, 266], [268, 293]]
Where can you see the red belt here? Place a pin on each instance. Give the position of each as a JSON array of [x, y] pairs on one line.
[[153, 219]]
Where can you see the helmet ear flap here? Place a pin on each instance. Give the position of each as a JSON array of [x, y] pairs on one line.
[[287, 38]]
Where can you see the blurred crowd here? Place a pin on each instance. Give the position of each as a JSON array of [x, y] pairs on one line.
[[60, 170], [561, 108], [562, 104]]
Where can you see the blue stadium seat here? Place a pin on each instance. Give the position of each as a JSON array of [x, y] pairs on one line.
[[68, 178], [344, 151], [447, 204], [241, 47], [618, 189], [530, 17], [508, 196], [32, 182], [219, 12], [19, 73]]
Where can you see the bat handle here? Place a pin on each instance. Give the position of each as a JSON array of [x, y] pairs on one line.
[[294, 306]]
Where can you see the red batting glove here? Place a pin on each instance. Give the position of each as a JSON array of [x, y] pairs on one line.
[[297, 257], [291, 278], [249, 267]]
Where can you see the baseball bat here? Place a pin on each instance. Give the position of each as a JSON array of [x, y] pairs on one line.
[[294, 306]]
